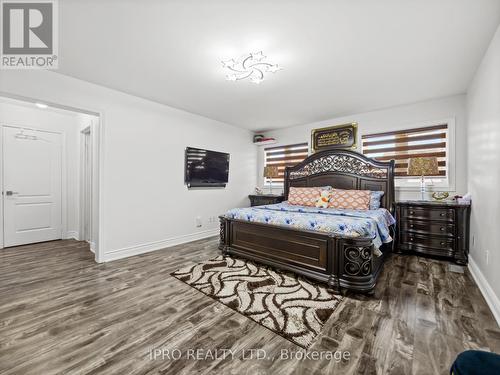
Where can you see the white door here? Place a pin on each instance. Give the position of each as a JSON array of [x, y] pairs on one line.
[[31, 186]]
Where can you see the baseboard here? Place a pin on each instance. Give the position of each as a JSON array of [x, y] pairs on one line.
[[92, 246], [489, 295], [71, 234], [157, 245]]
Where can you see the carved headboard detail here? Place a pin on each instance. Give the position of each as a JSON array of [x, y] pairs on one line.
[[343, 169]]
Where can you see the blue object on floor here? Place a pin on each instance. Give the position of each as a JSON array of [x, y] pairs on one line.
[[476, 362]]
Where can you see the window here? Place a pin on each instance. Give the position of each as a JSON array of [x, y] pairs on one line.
[[285, 156], [405, 144]]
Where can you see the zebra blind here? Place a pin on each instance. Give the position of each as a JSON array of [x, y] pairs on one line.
[[405, 144], [285, 156]]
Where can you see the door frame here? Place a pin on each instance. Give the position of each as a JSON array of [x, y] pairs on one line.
[[64, 177], [86, 131]]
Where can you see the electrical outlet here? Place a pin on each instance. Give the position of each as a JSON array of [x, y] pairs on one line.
[[212, 219], [487, 253], [199, 223]]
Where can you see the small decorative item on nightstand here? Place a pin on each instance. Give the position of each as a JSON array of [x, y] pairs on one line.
[[262, 199], [440, 195], [433, 228]]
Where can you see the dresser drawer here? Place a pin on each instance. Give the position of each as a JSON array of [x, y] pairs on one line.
[[428, 227], [443, 214], [436, 245]]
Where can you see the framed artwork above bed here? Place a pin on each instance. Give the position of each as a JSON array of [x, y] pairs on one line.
[[335, 137]]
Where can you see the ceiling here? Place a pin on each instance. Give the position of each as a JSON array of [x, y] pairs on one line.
[[339, 56]]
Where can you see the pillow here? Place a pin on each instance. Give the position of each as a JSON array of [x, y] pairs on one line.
[[304, 196], [350, 199], [375, 197]]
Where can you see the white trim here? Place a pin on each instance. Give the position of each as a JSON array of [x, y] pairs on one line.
[[92, 246], [157, 245], [81, 182], [489, 295], [71, 234]]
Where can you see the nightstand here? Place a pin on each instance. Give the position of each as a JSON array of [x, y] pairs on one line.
[[433, 228], [262, 199]]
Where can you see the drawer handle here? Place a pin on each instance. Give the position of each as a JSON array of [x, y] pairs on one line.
[[443, 243], [442, 214], [412, 212], [411, 239], [411, 225], [442, 229]]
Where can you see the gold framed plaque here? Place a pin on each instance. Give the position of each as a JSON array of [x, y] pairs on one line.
[[335, 137]]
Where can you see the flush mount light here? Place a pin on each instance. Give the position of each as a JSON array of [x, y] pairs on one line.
[[252, 66], [42, 105]]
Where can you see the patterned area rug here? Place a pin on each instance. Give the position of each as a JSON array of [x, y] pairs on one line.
[[287, 304]]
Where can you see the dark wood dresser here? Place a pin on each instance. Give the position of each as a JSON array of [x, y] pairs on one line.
[[262, 199], [433, 228]]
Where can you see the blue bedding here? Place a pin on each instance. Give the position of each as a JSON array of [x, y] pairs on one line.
[[372, 224]]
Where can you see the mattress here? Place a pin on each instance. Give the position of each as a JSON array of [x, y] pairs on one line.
[[373, 224]]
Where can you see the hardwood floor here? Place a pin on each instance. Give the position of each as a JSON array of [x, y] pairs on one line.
[[62, 313]]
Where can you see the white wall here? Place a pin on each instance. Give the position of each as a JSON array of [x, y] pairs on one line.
[[483, 106], [394, 118], [144, 202], [27, 115]]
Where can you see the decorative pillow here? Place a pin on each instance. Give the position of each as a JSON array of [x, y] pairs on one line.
[[323, 200], [375, 197], [304, 196], [350, 199]]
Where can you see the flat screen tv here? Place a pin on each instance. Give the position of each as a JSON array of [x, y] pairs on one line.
[[205, 168]]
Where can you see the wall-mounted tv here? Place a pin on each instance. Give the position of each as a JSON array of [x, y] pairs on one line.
[[205, 168]]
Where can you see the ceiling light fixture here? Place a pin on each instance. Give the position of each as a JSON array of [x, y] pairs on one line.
[[42, 105], [251, 66]]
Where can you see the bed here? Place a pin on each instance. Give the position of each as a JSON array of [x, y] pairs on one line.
[[343, 248]]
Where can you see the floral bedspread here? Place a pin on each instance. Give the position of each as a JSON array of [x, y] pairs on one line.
[[348, 223]]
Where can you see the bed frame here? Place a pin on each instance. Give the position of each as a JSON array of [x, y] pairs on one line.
[[338, 261]]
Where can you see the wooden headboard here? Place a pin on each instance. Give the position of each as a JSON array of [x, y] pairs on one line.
[[343, 169]]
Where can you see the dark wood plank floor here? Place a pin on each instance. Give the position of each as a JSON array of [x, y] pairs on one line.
[[62, 313]]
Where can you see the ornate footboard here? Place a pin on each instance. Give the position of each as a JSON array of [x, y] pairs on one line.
[[339, 262]]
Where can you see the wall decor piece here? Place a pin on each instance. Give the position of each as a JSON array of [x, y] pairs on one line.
[[335, 137]]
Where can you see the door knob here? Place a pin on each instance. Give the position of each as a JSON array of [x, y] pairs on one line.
[[10, 192]]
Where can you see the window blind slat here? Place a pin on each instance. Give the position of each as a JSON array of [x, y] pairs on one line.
[[407, 156], [427, 137], [405, 148], [286, 152], [408, 131], [288, 147]]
